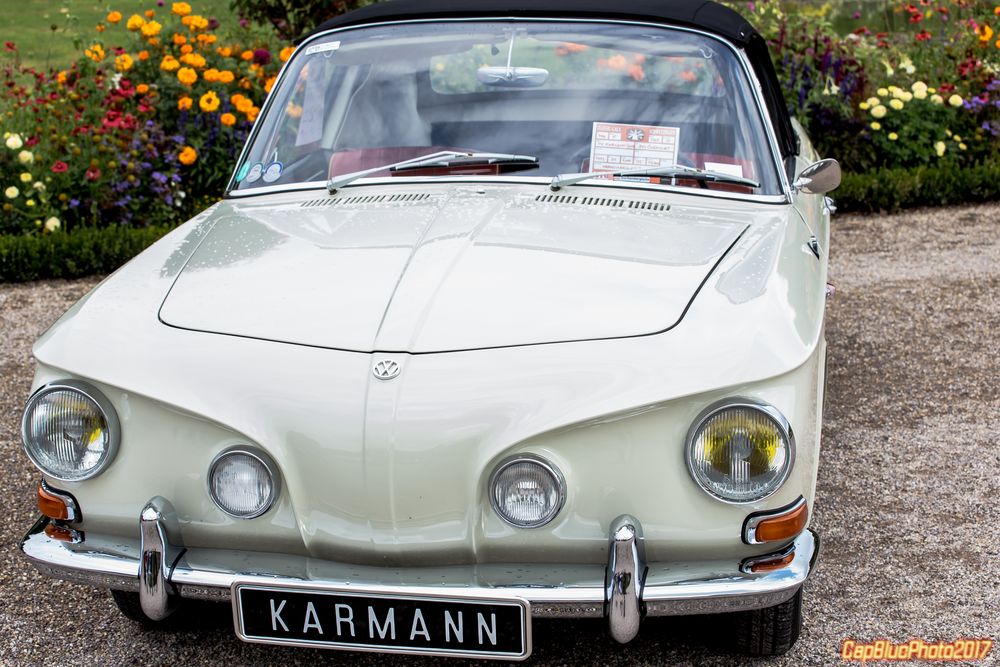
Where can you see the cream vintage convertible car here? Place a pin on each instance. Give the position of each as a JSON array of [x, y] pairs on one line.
[[510, 311]]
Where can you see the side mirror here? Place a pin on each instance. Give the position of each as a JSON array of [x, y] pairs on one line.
[[818, 178]]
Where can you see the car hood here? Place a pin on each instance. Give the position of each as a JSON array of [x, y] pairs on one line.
[[465, 267]]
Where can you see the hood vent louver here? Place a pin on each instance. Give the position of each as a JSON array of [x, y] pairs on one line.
[[607, 202], [365, 199]]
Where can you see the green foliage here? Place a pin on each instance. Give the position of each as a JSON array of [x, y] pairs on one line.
[[84, 252], [942, 184], [293, 18]]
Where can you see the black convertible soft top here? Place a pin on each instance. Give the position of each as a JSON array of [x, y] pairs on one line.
[[702, 14]]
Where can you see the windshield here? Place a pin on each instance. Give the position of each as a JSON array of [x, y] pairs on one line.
[[578, 97]]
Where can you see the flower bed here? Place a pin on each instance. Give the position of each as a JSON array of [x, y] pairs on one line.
[[141, 130]]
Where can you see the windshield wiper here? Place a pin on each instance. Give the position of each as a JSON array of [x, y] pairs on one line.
[[669, 170], [442, 159]]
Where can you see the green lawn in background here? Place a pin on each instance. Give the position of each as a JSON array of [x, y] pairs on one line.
[[28, 23]]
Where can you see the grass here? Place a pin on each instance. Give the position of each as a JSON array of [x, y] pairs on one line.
[[28, 23]]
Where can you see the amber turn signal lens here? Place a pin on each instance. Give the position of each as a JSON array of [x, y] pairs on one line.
[[53, 506], [783, 526], [773, 564], [63, 534]]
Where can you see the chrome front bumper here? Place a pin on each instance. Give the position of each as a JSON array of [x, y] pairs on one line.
[[625, 590]]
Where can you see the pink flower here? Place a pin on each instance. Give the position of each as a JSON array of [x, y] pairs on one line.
[[59, 167]]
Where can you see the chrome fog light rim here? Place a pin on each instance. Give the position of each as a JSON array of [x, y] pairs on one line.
[[106, 410], [768, 411], [548, 467], [265, 461]]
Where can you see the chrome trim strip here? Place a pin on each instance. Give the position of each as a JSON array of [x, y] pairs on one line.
[[669, 590], [157, 522], [785, 196], [624, 579], [752, 521]]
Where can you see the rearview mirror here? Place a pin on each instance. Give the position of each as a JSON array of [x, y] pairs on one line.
[[818, 178], [512, 77]]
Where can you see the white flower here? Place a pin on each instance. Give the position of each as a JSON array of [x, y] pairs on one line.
[[25, 157], [14, 142], [39, 186], [937, 99], [939, 148], [12, 192], [52, 224]]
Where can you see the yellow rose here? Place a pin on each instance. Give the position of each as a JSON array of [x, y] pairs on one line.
[[12, 192], [883, 92], [874, 101], [27, 178], [896, 104], [939, 148], [879, 111], [864, 106], [920, 94], [962, 146], [955, 100], [876, 125], [893, 136], [937, 99], [918, 86]]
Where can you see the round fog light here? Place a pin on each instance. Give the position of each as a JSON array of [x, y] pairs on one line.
[[527, 491], [242, 484]]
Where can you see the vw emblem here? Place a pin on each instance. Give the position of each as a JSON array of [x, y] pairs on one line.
[[385, 369]]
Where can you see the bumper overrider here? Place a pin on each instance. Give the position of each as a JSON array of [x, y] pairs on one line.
[[162, 570]]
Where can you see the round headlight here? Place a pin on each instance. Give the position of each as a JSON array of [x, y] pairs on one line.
[[740, 451], [527, 491], [70, 430], [242, 484]]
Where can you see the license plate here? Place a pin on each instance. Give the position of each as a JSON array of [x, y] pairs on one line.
[[358, 620]]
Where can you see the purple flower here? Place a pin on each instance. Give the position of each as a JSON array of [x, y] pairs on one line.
[[856, 15], [213, 23], [158, 177], [73, 203], [262, 56], [244, 23]]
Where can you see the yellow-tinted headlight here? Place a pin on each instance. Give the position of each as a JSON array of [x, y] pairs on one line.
[[740, 451]]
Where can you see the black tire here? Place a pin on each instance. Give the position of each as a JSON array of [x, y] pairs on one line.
[[128, 604], [770, 631]]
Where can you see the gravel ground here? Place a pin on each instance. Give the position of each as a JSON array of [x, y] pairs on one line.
[[907, 485]]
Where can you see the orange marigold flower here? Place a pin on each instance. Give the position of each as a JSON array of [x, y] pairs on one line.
[[95, 53], [225, 76], [187, 48], [245, 83], [61, 77], [187, 76], [575, 48], [151, 29], [100, 27], [269, 84], [617, 62], [184, 103], [235, 99], [244, 104], [135, 22], [247, 55], [252, 114], [985, 33], [635, 71], [150, 13], [187, 156], [227, 119], [286, 53], [124, 62], [142, 89], [169, 63], [144, 55], [114, 17], [224, 51], [180, 8], [211, 75], [209, 102], [179, 39], [195, 22]]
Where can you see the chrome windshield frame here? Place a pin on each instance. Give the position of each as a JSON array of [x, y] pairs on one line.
[[786, 195]]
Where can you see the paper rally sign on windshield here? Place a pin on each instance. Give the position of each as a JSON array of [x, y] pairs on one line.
[[620, 147]]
